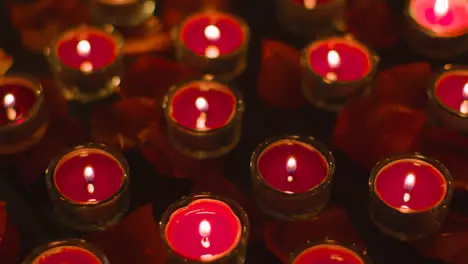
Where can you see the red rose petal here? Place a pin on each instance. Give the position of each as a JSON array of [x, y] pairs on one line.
[[284, 238], [406, 85], [134, 240], [9, 238], [280, 76]]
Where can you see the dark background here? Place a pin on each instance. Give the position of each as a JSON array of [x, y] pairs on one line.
[[31, 211]]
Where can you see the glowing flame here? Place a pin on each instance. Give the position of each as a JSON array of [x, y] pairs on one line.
[[465, 91], [290, 178], [406, 197], [334, 59], [212, 52], [90, 188], [441, 8], [291, 165], [201, 104], [205, 230], [86, 67], [83, 48], [310, 4], [9, 103], [410, 180], [464, 107], [88, 173], [212, 33]]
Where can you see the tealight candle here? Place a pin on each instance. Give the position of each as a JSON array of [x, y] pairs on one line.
[[205, 228], [73, 251], [204, 118], [127, 13], [291, 176], [409, 196], [23, 114], [310, 18], [438, 28], [213, 43], [87, 62], [336, 69], [89, 187], [329, 252], [448, 98]]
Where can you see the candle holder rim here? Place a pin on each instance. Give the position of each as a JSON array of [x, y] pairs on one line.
[[445, 173], [431, 91], [361, 252], [73, 242], [235, 207], [427, 31], [374, 58], [38, 90], [50, 173], [319, 7], [50, 51], [243, 25], [318, 145], [166, 105]]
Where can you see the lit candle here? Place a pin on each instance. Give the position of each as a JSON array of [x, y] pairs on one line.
[[87, 62], [290, 169], [311, 18], [409, 196], [89, 186], [439, 27], [448, 99], [73, 251], [23, 115], [214, 43], [204, 118], [127, 13], [329, 252], [336, 69], [205, 228]]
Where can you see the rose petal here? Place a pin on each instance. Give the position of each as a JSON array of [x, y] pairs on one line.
[[9, 238], [280, 76], [134, 240], [283, 238]]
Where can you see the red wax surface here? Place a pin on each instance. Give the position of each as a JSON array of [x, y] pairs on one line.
[[355, 60], [192, 33], [71, 181], [311, 166], [186, 237], [454, 23], [103, 52], [68, 255], [317, 2], [221, 105], [25, 99], [328, 254], [449, 89], [428, 190]]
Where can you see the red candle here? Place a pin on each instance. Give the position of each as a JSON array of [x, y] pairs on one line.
[[339, 59], [87, 49], [203, 105], [328, 254], [18, 99], [67, 254], [451, 90], [309, 4], [205, 230], [212, 34], [292, 166], [410, 185], [443, 17], [88, 175]]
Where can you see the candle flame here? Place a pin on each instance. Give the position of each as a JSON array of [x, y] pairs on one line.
[[291, 165], [290, 178], [406, 197], [310, 4], [86, 67], [205, 230], [212, 52], [90, 188], [202, 104], [464, 107], [83, 48], [88, 173], [334, 59], [410, 180], [212, 33], [441, 8], [465, 91], [9, 103]]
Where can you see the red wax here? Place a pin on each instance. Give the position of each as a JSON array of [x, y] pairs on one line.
[[328, 254], [206, 229], [355, 59], [311, 166], [449, 89], [393, 186], [317, 2], [25, 99], [71, 181], [103, 49], [453, 23], [68, 255], [231, 38], [221, 105]]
